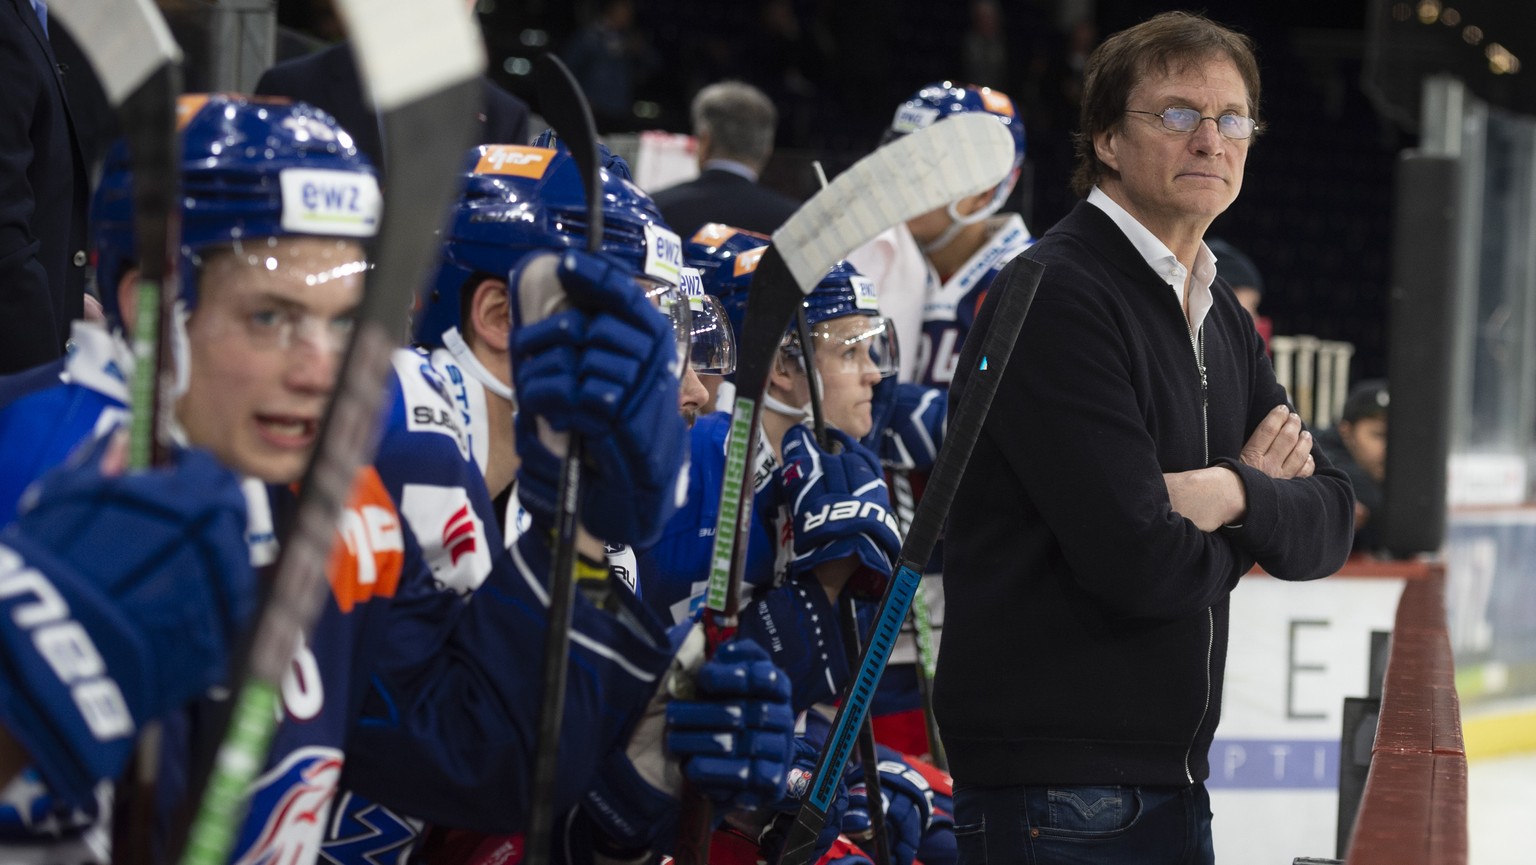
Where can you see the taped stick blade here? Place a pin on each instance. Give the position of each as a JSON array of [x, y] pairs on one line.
[[935, 166]]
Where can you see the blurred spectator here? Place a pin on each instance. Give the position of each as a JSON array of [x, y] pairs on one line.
[[327, 79], [1358, 446], [985, 56], [734, 124], [44, 190], [611, 57], [1243, 275]]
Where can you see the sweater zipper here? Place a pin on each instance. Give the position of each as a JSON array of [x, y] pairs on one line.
[[1210, 646], [1197, 342]]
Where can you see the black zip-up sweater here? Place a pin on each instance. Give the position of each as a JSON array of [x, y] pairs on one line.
[[1086, 621]]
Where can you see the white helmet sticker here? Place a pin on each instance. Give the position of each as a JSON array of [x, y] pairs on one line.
[[663, 253], [327, 202], [910, 118], [691, 281], [864, 296]]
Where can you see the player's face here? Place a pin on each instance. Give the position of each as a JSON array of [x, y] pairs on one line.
[[265, 340], [1175, 183], [691, 395], [849, 373]]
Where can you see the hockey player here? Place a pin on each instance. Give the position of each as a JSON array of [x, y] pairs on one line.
[[267, 339], [933, 273]]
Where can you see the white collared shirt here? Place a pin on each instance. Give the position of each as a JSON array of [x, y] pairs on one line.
[[1161, 259]]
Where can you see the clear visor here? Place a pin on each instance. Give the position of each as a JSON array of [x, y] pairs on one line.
[[853, 344], [281, 292], [712, 348], [666, 297]]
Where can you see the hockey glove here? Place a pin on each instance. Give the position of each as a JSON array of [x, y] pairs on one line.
[[604, 369], [908, 803], [120, 595], [916, 429], [841, 507], [731, 740], [807, 753]]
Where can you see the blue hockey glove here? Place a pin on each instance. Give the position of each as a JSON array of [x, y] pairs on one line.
[[735, 735], [841, 507], [605, 369], [731, 740], [807, 753], [120, 597], [908, 805], [799, 625], [915, 432]]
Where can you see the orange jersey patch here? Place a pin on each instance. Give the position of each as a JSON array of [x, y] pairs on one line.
[[369, 552]]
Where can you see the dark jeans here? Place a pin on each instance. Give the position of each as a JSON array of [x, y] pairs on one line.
[[1046, 825]]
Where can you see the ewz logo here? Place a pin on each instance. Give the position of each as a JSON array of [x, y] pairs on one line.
[[332, 198]]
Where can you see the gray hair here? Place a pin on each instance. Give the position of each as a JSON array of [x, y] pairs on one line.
[[739, 118]]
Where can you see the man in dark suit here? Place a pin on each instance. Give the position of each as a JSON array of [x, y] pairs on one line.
[[734, 125], [328, 80], [44, 195]]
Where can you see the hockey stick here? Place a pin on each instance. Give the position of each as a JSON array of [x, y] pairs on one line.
[[138, 62], [566, 108], [869, 756], [420, 60], [1016, 290], [922, 628], [911, 176]]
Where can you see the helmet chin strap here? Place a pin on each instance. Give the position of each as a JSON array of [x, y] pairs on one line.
[[958, 221], [802, 413], [467, 361]]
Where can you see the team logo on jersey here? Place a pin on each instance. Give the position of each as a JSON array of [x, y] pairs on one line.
[[289, 807], [428, 406], [364, 833], [323, 201], [451, 534], [514, 159], [663, 253], [368, 560]]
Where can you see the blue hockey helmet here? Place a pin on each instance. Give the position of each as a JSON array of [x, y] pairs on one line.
[[944, 99], [842, 294], [519, 199], [252, 170], [726, 257]]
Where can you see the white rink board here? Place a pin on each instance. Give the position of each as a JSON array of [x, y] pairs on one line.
[[1296, 650]]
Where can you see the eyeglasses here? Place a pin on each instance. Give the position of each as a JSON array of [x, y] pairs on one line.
[[1234, 126]]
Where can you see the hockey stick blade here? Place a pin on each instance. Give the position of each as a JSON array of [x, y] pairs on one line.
[[566, 109], [1015, 291], [420, 61], [908, 177]]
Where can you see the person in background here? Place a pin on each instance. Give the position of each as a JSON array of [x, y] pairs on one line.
[[734, 124], [328, 80], [1358, 445], [43, 194], [1243, 275]]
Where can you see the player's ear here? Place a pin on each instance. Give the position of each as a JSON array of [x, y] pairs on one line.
[[489, 314], [128, 298]]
